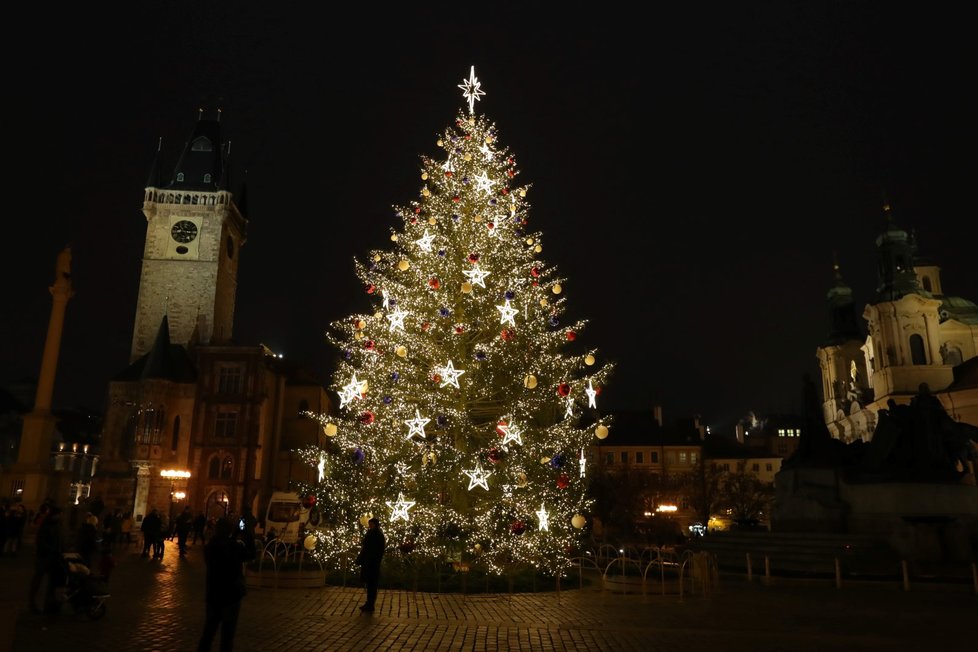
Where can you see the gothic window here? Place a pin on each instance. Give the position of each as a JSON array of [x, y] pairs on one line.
[[202, 144], [917, 355], [179, 176], [214, 468], [176, 433], [227, 468], [229, 380], [207, 178]]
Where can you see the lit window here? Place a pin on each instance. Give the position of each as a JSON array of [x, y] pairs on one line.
[[693, 457], [683, 457]]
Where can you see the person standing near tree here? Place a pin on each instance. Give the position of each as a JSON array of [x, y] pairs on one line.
[[48, 546], [371, 554], [225, 554]]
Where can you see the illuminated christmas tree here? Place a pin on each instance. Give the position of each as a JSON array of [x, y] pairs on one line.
[[466, 405]]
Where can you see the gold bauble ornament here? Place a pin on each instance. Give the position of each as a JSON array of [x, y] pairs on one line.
[[522, 192], [403, 265], [578, 521], [488, 139], [358, 335], [537, 249], [393, 237], [330, 429], [530, 381], [466, 287], [521, 480], [426, 192], [309, 542], [440, 142], [471, 120], [589, 359], [544, 460], [401, 351], [544, 302], [556, 289], [424, 176], [365, 518], [361, 324], [376, 258], [601, 432], [477, 218], [432, 221], [529, 241], [467, 157]]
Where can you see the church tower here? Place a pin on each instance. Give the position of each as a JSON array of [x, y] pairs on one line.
[[194, 231]]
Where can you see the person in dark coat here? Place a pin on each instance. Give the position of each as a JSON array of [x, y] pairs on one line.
[[184, 524], [152, 528], [225, 555], [371, 554], [48, 546], [87, 541]]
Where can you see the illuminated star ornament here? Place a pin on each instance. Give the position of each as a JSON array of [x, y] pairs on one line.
[[591, 393], [471, 88], [484, 183], [416, 425], [396, 319], [544, 518], [486, 151], [478, 477], [583, 462], [321, 467], [569, 409], [424, 242], [401, 469], [477, 276], [449, 375], [387, 301], [399, 509], [511, 434], [355, 389], [507, 313]]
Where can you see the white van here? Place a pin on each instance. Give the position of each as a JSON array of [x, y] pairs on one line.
[[286, 516]]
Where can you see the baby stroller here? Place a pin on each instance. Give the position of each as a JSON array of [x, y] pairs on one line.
[[85, 592]]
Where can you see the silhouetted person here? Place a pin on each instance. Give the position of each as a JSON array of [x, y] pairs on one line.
[[184, 523], [371, 553], [225, 554], [48, 546]]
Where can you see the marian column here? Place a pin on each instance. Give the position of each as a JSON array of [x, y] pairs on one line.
[[30, 475]]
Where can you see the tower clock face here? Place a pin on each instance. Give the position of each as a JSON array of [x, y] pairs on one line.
[[184, 231]]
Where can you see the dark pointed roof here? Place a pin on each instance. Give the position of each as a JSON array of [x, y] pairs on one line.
[[844, 326], [203, 162], [153, 181], [895, 255], [165, 361], [641, 428]]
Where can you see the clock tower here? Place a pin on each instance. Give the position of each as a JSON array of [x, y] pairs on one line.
[[194, 231]]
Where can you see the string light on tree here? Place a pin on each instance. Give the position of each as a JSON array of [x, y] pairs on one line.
[[466, 219]]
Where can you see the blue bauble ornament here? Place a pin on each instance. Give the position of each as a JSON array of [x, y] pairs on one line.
[[387, 400], [510, 294], [395, 376], [480, 355], [554, 321], [557, 461], [444, 312], [358, 455]]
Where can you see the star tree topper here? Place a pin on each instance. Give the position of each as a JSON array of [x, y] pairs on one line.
[[471, 88]]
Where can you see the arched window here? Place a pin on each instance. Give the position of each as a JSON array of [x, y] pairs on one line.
[[917, 355], [214, 468], [227, 468], [176, 433]]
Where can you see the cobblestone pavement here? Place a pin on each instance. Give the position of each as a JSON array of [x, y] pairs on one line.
[[158, 605]]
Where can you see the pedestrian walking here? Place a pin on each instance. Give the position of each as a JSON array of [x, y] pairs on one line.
[[199, 523], [48, 546], [371, 553], [184, 522], [225, 554], [151, 528]]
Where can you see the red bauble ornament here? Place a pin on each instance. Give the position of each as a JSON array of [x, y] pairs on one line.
[[535, 283], [434, 283], [371, 288], [571, 336], [369, 345], [436, 378], [597, 390], [417, 210], [456, 199], [563, 389], [510, 173], [508, 334], [499, 428], [493, 455], [425, 326], [473, 257], [367, 418], [459, 330], [448, 173], [309, 501], [414, 220], [563, 481], [517, 527], [490, 226], [505, 191], [535, 272]]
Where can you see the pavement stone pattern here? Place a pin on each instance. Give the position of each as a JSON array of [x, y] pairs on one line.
[[158, 605]]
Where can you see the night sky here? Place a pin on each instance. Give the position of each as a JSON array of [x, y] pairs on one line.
[[694, 169]]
